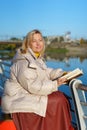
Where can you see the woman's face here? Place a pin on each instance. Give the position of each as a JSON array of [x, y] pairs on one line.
[[37, 43]]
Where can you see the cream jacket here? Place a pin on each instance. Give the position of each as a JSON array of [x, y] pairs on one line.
[[29, 85]]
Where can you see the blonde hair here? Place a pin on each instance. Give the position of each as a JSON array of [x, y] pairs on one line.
[[28, 40]]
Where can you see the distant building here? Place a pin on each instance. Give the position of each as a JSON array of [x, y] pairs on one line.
[[67, 37]]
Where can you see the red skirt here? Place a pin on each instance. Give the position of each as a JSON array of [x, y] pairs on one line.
[[57, 116]]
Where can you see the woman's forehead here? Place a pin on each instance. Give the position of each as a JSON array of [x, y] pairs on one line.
[[37, 35]]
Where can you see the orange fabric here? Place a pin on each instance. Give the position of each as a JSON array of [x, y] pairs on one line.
[[7, 125], [37, 54]]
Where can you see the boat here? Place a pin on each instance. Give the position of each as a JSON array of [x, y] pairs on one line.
[[77, 99]]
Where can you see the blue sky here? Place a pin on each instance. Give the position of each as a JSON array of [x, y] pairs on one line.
[[51, 17]]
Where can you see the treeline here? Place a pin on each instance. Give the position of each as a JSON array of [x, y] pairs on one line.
[[7, 46], [10, 45], [54, 46], [83, 41], [8, 49], [16, 42]]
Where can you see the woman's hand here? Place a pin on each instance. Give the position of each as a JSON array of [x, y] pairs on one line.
[[61, 81]]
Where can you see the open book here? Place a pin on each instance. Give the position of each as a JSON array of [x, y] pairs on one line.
[[73, 74]]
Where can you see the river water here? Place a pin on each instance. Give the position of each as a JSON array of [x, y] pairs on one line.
[[69, 65]]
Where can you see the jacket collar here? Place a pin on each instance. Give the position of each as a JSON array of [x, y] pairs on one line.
[[37, 61], [33, 54]]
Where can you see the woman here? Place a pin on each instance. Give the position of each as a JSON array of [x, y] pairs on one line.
[[31, 95]]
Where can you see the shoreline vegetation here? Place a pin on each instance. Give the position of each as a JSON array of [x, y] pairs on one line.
[[69, 51], [54, 50]]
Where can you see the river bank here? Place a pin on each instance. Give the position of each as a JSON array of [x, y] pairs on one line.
[[77, 51], [55, 51], [66, 50]]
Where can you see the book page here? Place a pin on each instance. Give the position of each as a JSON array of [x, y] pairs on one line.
[[73, 74]]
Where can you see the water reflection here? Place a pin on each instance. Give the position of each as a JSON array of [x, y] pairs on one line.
[[66, 60], [63, 57], [68, 64]]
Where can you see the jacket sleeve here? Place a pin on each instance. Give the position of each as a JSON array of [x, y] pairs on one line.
[[30, 81], [36, 86], [56, 73]]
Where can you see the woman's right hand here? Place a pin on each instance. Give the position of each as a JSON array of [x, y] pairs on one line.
[[61, 81]]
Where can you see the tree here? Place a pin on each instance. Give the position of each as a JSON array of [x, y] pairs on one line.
[[61, 39], [82, 41], [15, 39]]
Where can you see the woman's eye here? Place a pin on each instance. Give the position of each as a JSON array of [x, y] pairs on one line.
[[40, 40], [34, 40]]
